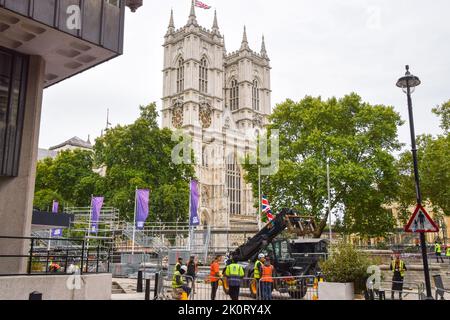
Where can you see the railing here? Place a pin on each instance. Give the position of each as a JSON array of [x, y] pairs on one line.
[[201, 288], [58, 261], [387, 290]]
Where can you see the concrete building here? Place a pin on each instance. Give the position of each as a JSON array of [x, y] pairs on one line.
[[41, 43], [222, 100]]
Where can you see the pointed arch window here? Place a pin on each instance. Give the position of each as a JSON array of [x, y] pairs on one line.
[[180, 75], [203, 76], [233, 179], [255, 95], [234, 95]]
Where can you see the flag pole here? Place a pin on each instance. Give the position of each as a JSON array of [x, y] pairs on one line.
[[329, 199], [134, 223], [190, 227], [90, 223], [259, 200]]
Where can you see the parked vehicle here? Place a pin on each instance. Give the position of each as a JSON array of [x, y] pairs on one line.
[[290, 257]]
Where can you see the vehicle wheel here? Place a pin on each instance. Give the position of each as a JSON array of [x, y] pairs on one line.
[[299, 291]]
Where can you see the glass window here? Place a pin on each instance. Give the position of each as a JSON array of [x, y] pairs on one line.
[[234, 185], [180, 76], [203, 76], [255, 95], [13, 69], [234, 95]]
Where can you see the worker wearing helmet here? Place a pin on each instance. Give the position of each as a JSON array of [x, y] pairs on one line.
[[178, 284], [258, 268]]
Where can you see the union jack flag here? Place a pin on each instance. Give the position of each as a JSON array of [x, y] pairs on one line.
[[266, 209], [202, 5]]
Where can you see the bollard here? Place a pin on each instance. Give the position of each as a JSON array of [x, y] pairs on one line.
[[155, 294], [382, 295], [35, 296], [147, 289], [139, 283]]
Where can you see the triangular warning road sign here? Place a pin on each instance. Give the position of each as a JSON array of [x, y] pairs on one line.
[[421, 222]]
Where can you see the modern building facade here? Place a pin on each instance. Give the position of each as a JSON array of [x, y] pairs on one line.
[[222, 100], [41, 43]]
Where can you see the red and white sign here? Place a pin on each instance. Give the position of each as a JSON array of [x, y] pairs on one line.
[[421, 222]]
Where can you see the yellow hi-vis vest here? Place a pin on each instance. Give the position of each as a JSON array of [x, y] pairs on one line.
[[437, 248], [175, 283], [256, 274], [234, 273], [448, 251], [401, 268]]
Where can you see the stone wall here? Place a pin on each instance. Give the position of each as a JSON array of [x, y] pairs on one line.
[[93, 287]]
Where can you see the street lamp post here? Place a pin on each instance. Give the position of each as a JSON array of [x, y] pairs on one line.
[[408, 83]]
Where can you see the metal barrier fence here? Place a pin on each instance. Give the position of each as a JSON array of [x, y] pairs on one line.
[[201, 289], [288, 288], [411, 291], [40, 260]]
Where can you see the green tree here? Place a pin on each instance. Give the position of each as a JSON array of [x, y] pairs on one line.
[[140, 156], [43, 199], [358, 138], [434, 172], [443, 111], [69, 177]]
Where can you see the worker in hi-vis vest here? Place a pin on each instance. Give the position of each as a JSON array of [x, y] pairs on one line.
[[234, 273], [267, 280], [438, 251], [398, 266], [257, 271]]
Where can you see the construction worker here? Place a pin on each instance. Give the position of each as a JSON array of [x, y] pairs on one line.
[[178, 265], [438, 251], [257, 270], [398, 266], [267, 280], [447, 253], [234, 273], [178, 284], [214, 276], [192, 270]]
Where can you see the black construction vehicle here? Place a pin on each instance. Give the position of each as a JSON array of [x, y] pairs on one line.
[[290, 257]]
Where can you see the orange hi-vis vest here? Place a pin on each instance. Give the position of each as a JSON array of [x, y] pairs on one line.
[[214, 270], [267, 272]]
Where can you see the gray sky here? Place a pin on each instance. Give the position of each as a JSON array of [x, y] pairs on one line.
[[326, 47]]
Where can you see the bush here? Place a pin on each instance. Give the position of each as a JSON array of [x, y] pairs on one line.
[[346, 264]]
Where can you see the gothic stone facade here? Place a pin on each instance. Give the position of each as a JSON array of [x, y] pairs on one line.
[[220, 99]]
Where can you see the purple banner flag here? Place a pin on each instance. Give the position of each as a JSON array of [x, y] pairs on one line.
[[55, 207], [56, 232], [142, 207], [194, 219], [96, 208]]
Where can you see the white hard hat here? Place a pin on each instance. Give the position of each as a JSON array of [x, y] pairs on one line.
[[261, 256], [184, 268]]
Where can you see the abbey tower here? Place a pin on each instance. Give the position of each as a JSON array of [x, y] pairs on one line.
[[217, 98]]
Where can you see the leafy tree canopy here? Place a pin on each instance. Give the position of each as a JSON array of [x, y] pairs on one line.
[[139, 156], [69, 177], [132, 156], [359, 140], [434, 170]]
